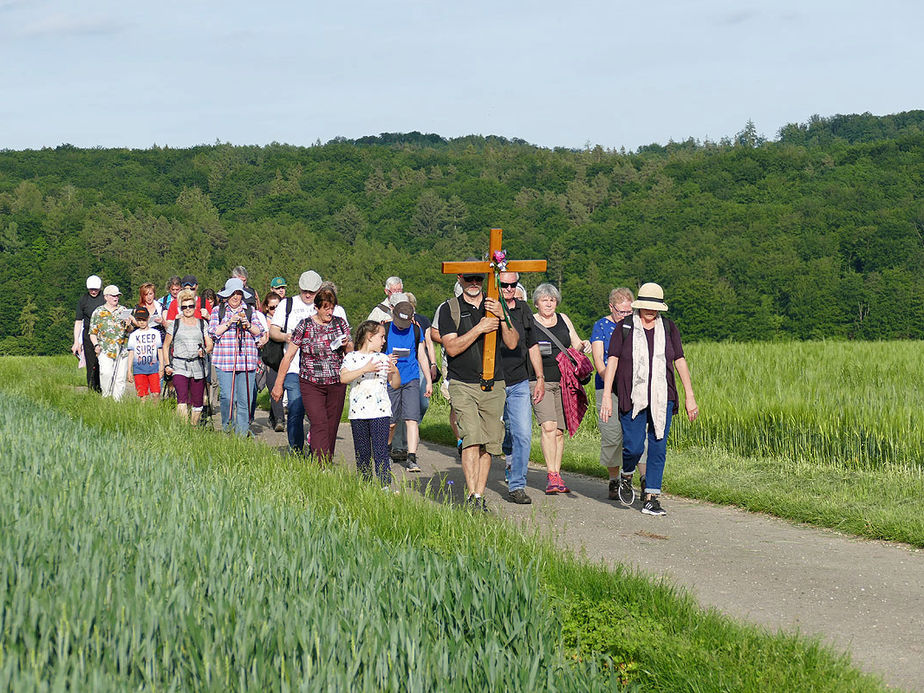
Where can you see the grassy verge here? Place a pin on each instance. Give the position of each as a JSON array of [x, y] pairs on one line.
[[613, 625]]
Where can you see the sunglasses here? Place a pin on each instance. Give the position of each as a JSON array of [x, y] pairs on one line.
[[472, 278], [189, 306], [507, 285], [270, 309]]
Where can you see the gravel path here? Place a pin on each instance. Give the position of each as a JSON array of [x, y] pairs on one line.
[[861, 596]]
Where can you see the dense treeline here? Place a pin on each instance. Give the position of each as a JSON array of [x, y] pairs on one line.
[[817, 234]]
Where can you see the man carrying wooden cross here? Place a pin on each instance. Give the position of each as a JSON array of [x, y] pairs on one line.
[[463, 326]]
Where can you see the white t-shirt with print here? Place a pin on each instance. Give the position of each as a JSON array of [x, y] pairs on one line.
[[368, 393], [300, 311]]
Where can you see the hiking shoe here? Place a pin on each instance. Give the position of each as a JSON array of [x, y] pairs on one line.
[[626, 492], [551, 486], [279, 427], [484, 504], [614, 489], [412, 465], [561, 484], [398, 455], [519, 497], [472, 504], [653, 507]]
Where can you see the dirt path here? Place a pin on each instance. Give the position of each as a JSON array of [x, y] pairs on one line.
[[861, 596]]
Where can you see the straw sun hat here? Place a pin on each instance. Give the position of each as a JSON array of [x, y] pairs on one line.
[[650, 296]]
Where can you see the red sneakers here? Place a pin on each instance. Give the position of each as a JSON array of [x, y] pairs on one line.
[[556, 484]]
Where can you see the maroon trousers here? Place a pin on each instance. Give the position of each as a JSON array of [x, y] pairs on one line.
[[323, 406]]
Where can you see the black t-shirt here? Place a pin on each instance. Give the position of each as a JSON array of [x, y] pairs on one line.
[[515, 369], [549, 361], [466, 367], [85, 307]]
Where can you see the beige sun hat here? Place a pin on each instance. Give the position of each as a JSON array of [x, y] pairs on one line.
[[650, 296]]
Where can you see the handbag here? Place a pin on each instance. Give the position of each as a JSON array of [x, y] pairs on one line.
[[272, 352], [583, 368]]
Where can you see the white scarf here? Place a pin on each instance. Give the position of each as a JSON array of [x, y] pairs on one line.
[[658, 374]]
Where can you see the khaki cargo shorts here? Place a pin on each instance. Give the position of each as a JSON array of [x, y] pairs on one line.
[[479, 414]]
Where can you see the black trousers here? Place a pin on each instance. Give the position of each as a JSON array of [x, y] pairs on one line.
[[89, 355]]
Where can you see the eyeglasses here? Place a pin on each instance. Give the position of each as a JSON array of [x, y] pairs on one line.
[[472, 278], [189, 306], [621, 312], [507, 285], [270, 309]]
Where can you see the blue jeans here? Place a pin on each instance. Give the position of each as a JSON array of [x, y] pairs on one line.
[[242, 411], [518, 420], [634, 433], [295, 424]]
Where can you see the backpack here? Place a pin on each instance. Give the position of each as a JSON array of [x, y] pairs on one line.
[[176, 326], [272, 352], [385, 308], [222, 309], [417, 339]]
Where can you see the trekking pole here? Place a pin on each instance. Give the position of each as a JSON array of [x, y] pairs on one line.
[[247, 383], [115, 372], [115, 368], [233, 379]]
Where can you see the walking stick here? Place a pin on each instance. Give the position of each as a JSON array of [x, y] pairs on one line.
[[247, 383], [115, 368], [234, 376]]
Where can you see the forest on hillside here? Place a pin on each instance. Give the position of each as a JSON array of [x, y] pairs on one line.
[[818, 233]]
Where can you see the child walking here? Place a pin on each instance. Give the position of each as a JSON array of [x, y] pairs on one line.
[[146, 366], [370, 408]]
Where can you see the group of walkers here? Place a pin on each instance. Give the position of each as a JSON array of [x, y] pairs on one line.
[[229, 345]]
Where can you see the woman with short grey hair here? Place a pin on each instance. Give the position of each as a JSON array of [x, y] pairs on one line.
[[545, 386]]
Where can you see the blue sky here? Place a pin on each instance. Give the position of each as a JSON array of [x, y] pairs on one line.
[[616, 73]]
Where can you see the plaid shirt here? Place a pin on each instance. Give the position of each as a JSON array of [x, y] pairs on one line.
[[223, 355], [319, 363]]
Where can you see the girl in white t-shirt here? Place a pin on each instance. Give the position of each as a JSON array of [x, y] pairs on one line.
[[370, 409]]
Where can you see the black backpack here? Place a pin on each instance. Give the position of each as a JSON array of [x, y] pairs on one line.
[[176, 326], [272, 352], [222, 309], [417, 339]]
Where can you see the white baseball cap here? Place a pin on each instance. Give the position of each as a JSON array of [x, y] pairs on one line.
[[94, 282]]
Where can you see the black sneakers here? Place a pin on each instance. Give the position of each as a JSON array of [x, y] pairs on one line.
[[519, 497], [653, 507], [626, 492], [412, 465]]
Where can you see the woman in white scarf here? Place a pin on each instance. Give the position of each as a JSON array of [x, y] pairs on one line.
[[641, 348]]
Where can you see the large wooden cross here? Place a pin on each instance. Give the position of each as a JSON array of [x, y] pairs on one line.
[[487, 268]]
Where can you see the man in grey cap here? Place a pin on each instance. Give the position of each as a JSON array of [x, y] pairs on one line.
[[89, 302], [288, 314]]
